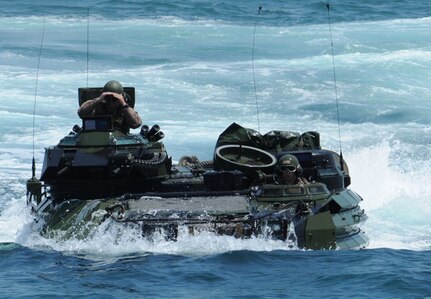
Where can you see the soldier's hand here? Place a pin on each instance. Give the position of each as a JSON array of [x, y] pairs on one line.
[[111, 97]]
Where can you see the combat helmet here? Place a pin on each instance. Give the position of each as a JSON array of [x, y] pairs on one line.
[[113, 86], [289, 163]]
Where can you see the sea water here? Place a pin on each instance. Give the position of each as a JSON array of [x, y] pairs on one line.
[[358, 75]]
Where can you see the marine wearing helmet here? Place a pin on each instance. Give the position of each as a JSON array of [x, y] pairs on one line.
[[289, 171], [112, 101]]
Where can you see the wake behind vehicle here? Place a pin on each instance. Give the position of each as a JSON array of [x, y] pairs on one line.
[[98, 173]]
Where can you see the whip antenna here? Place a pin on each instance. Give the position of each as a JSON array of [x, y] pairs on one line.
[[33, 165], [88, 40], [335, 86], [254, 76]]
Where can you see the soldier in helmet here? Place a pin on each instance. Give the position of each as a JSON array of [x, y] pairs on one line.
[[112, 102], [289, 171]]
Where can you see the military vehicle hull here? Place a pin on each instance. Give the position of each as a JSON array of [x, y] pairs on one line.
[[98, 174], [325, 220]]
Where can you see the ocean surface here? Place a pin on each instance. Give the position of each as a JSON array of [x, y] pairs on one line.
[[198, 66]]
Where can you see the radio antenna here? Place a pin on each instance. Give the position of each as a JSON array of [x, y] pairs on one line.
[[88, 41], [33, 165], [335, 86], [254, 75]]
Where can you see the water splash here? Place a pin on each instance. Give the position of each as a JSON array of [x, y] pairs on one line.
[[397, 200]]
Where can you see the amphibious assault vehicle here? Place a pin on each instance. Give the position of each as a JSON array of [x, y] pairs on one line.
[[97, 174]]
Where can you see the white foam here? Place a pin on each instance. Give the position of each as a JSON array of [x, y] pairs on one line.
[[112, 240], [396, 197], [13, 218]]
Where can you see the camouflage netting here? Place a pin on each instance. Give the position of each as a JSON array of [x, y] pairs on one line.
[[273, 141]]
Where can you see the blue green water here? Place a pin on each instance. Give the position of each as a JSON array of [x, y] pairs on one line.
[[191, 63], [379, 273]]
